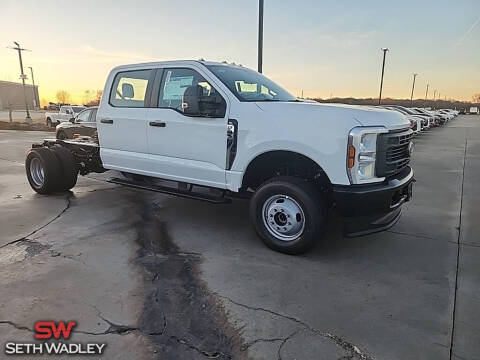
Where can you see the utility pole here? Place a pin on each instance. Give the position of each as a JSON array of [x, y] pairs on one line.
[[260, 35], [413, 86], [426, 96], [383, 71], [33, 83], [17, 47], [434, 93]]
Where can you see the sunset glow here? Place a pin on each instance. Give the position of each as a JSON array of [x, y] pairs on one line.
[[322, 48]]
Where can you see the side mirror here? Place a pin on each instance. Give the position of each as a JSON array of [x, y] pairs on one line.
[[72, 120]]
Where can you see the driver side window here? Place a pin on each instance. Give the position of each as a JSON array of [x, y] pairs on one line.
[[174, 83]]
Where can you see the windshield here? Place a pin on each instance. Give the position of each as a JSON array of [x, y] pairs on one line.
[[77, 109], [249, 85]]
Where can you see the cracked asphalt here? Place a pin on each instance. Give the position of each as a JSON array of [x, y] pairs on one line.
[[158, 277]]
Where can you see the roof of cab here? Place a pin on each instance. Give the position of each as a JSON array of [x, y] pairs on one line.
[[170, 62]]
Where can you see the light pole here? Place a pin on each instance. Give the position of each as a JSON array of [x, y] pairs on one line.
[[33, 83], [260, 35], [383, 71], [28, 119], [413, 86], [426, 96]]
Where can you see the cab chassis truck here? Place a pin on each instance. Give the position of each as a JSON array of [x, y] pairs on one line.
[[214, 131]]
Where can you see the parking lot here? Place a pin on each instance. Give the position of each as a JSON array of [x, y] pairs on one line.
[[162, 277]]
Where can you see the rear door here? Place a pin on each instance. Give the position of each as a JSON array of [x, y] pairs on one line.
[[122, 121], [183, 147]]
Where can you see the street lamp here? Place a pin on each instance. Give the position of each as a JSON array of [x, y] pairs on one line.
[[383, 71], [426, 96], [260, 35], [33, 84], [413, 86]]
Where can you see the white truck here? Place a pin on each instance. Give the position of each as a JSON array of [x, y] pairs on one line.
[[214, 131], [66, 113]]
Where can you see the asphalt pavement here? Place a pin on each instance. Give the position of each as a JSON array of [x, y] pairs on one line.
[[159, 277]]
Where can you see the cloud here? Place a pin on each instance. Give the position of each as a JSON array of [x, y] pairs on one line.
[[464, 36]]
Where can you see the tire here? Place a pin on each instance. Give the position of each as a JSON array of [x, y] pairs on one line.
[[68, 165], [61, 135], [297, 200], [43, 170], [49, 122]]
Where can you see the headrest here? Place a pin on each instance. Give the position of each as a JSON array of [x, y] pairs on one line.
[[127, 91]]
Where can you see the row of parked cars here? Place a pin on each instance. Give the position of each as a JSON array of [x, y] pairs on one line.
[[422, 119]]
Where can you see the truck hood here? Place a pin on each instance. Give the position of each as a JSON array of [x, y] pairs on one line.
[[361, 115]]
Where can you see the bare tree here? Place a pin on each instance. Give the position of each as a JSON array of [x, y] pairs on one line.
[[63, 96], [87, 97], [476, 98], [98, 96]]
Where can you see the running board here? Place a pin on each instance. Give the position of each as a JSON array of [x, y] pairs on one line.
[[171, 191]]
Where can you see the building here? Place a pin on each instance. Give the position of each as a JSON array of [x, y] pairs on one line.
[[11, 96]]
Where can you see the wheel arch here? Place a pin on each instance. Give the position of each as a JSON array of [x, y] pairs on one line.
[[271, 163]]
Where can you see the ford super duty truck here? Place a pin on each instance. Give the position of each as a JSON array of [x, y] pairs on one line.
[[214, 131]]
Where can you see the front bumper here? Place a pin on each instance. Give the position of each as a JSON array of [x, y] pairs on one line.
[[374, 207]]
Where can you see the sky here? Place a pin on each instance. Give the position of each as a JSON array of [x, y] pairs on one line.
[[323, 48]]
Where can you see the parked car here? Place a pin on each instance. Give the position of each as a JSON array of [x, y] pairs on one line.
[[415, 120], [83, 124], [425, 118], [473, 110], [232, 131], [66, 113], [448, 114], [462, 111], [434, 120]]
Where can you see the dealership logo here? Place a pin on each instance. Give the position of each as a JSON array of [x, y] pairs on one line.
[[47, 329], [52, 332]]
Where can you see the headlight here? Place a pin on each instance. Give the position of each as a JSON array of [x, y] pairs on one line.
[[362, 153]]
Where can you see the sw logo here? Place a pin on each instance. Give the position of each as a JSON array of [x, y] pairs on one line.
[[47, 329], [50, 331]]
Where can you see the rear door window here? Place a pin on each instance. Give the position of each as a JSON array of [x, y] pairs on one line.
[[130, 88]]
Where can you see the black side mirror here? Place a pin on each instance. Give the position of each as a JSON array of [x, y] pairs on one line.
[[72, 120]]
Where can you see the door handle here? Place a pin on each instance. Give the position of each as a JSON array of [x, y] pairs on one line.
[[106, 121], [157, 123]]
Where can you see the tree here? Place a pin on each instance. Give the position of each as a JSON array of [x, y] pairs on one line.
[[63, 96], [87, 97], [476, 98]]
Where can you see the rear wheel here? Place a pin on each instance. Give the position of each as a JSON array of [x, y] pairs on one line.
[[49, 122], [68, 165], [289, 214], [43, 170]]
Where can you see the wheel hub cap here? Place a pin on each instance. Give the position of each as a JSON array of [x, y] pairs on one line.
[[283, 217], [36, 172]]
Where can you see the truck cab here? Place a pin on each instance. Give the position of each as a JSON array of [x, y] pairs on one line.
[[230, 129]]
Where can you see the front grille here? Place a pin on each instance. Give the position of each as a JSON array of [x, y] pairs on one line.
[[393, 153]]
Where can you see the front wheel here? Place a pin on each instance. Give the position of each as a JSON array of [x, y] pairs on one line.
[[289, 214]]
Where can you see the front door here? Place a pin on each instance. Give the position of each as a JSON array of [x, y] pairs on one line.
[[189, 148]]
